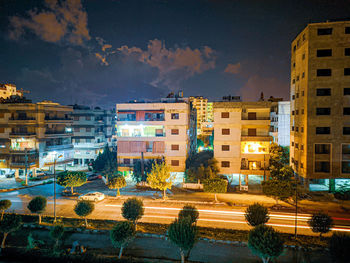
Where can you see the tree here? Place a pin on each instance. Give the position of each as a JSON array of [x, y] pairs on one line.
[[71, 179], [216, 185], [201, 166], [106, 162], [57, 233], [278, 189], [4, 205], [10, 223], [122, 234], [339, 245], [147, 167], [256, 214], [183, 234], [160, 178], [37, 206], [133, 209], [265, 242], [189, 211], [320, 223], [279, 156], [117, 182], [84, 208]]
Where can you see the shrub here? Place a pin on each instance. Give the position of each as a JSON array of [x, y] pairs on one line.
[[4, 205], [278, 189], [189, 211], [133, 209], [320, 223], [256, 214], [339, 245], [9, 223], [122, 234], [216, 185], [117, 182], [84, 208], [56, 233], [37, 206]]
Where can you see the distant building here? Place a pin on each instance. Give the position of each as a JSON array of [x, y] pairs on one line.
[[166, 128], [33, 135], [204, 111], [92, 131], [320, 104], [8, 90], [280, 123]]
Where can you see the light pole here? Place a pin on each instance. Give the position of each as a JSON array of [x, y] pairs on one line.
[[54, 187]]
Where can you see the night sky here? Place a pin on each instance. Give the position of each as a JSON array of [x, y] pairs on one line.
[[104, 52]]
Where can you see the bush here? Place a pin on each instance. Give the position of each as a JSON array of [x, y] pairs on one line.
[[84, 208], [265, 242], [339, 245], [133, 209], [278, 189], [56, 233], [320, 223], [4, 205], [10, 223], [189, 211], [256, 214], [37, 206], [342, 195], [117, 182], [122, 234]]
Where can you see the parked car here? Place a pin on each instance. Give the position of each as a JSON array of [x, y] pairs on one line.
[[10, 175], [40, 173], [92, 196], [92, 177]]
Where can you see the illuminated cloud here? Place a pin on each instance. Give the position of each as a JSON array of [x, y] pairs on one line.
[[174, 64], [102, 59], [106, 46], [61, 20], [233, 68]]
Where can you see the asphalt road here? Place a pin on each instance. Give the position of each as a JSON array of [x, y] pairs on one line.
[[157, 211]]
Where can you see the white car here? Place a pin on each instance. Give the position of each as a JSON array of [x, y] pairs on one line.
[[92, 196]]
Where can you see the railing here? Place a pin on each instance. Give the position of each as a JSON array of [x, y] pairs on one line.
[[139, 136], [22, 133], [258, 168], [257, 135], [58, 132], [58, 147], [256, 118], [22, 118], [58, 119]]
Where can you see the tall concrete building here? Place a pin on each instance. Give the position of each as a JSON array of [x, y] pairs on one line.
[[204, 111], [280, 123], [33, 135], [320, 103], [8, 90], [93, 129], [157, 129]]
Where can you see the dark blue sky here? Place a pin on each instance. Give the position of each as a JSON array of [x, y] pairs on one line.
[[103, 52]]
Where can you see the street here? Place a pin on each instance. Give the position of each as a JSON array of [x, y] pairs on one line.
[[158, 211]]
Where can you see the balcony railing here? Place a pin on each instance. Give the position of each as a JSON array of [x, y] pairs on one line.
[[256, 135], [58, 132], [256, 118], [22, 133], [58, 119], [22, 118]]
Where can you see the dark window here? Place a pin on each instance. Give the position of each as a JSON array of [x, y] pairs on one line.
[[324, 72], [302, 147], [225, 131], [345, 149], [292, 143], [225, 148], [347, 51], [174, 147], [296, 129], [251, 115], [303, 57], [251, 132], [126, 161], [324, 52], [174, 116], [294, 48], [296, 145], [302, 129], [175, 162], [324, 31], [346, 71], [323, 111], [346, 130], [225, 115], [225, 164], [322, 167], [293, 97], [347, 30], [323, 130], [346, 91], [88, 129], [345, 167], [302, 111], [323, 92], [322, 148], [88, 118], [174, 131], [303, 75], [346, 111]]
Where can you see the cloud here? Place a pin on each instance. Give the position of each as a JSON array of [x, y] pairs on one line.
[[174, 64], [269, 86], [60, 20], [106, 46], [102, 59], [233, 68]]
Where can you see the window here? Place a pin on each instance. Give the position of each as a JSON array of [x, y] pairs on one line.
[[347, 30], [88, 129], [303, 56], [294, 48], [302, 93], [302, 111], [293, 112], [293, 97], [345, 158], [346, 91], [324, 31], [225, 164], [87, 140], [175, 163], [324, 52], [225, 131], [303, 75], [347, 51], [302, 147], [323, 130], [174, 116], [302, 129], [296, 145], [126, 161], [346, 130], [225, 115], [346, 111], [175, 147], [292, 128], [347, 72], [324, 72], [292, 143], [76, 118], [251, 115], [297, 95], [296, 112], [322, 167], [77, 140], [251, 132], [88, 118], [323, 111], [76, 129], [293, 81], [323, 92], [322, 148], [225, 148], [174, 131]]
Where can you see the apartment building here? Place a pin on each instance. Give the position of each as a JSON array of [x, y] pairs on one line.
[[156, 129], [8, 90], [241, 138], [93, 129], [204, 111], [320, 105], [280, 123], [33, 135]]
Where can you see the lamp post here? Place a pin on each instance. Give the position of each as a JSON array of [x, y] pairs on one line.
[[54, 187]]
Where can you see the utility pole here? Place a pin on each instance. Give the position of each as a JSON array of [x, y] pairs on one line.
[[26, 164], [54, 190], [296, 210]]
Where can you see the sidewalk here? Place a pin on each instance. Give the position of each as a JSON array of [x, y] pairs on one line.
[[10, 183]]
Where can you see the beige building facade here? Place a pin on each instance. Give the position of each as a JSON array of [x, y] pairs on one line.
[[8, 90]]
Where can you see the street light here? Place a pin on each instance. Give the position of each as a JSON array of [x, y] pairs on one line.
[[54, 186]]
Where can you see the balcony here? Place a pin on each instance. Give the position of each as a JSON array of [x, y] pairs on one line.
[[256, 118], [23, 151], [58, 133], [22, 119], [58, 147], [55, 119], [246, 137], [16, 134]]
